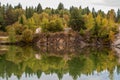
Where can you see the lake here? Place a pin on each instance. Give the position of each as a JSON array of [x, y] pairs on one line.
[[63, 63]]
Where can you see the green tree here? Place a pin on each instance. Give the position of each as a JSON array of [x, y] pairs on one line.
[[37, 19], [10, 16], [97, 26], [29, 12], [86, 11], [48, 10], [39, 8], [31, 24], [1, 17], [118, 16], [22, 20], [53, 26], [101, 13], [60, 6], [94, 12], [19, 6], [76, 20]]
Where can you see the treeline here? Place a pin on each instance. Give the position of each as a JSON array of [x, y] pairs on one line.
[[18, 21]]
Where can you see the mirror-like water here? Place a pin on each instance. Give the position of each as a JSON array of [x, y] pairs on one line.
[[32, 63]]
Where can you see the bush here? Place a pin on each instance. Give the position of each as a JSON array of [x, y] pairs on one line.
[[27, 36], [52, 26]]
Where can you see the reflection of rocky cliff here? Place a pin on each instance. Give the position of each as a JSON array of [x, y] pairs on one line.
[[117, 51], [3, 49]]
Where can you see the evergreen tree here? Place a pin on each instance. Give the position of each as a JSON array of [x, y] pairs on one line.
[[101, 13], [118, 16], [39, 8], [22, 20], [29, 12], [60, 6], [19, 6], [86, 11], [94, 12], [76, 20]]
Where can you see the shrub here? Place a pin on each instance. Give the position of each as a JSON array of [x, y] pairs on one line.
[[27, 36], [52, 26]]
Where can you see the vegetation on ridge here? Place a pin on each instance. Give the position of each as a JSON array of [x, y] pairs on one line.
[[95, 24]]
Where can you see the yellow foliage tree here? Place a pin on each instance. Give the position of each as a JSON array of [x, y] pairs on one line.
[[89, 21], [111, 36], [27, 35]]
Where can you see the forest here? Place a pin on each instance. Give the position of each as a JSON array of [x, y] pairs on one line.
[[20, 24]]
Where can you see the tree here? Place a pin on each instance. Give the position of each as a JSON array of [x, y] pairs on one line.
[[27, 36], [31, 24], [19, 28], [29, 12], [94, 12], [10, 16], [37, 20], [89, 21], [53, 26], [1, 17], [118, 16], [23, 20], [97, 26], [98, 20], [48, 11], [60, 6], [111, 15], [39, 8], [76, 20], [86, 11], [104, 22], [19, 6], [101, 13]]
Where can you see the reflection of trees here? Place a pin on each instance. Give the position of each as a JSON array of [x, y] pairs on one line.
[[19, 60]]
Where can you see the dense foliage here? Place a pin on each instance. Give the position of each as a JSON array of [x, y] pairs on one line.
[[97, 24]]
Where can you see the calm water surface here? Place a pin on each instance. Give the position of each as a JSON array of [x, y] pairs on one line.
[[63, 63]]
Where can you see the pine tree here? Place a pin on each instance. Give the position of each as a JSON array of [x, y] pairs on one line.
[[94, 12], [19, 6], [39, 8], [60, 6], [118, 16], [76, 20]]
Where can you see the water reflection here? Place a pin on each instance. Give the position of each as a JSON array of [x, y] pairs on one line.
[[48, 63]]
